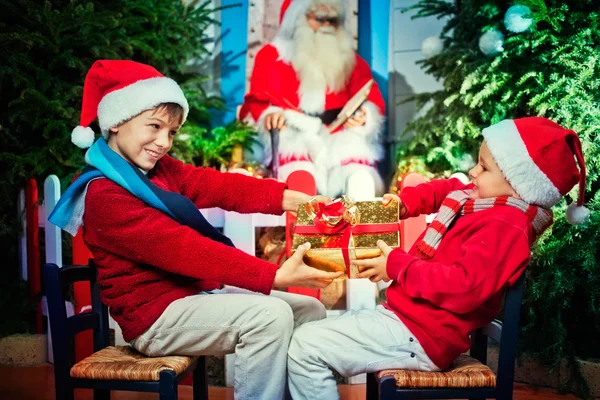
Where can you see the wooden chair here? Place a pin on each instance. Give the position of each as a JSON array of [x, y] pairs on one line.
[[468, 377], [110, 367]]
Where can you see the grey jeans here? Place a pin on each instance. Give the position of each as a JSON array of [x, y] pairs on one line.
[[257, 328], [354, 343]]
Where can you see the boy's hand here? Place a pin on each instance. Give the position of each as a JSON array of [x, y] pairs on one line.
[[387, 198], [294, 272], [375, 268], [293, 199]]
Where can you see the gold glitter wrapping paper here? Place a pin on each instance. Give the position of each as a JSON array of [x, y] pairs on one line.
[[325, 253]]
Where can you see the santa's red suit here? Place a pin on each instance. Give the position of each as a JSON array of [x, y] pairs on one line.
[[305, 143]]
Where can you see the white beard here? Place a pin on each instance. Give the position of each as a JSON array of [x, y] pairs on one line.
[[323, 60]]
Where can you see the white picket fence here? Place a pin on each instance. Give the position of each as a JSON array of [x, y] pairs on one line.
[[240, 228]]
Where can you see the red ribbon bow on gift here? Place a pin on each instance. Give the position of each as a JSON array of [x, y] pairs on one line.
[[340, 216]]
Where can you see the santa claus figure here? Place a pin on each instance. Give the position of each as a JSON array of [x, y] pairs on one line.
[[299, 84]]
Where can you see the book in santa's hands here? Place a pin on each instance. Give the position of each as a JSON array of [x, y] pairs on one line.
[[352, 105]]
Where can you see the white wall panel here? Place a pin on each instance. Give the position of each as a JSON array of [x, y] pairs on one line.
[[406, 76]]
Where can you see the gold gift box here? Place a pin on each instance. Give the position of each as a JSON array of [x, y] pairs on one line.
[[325, 252]]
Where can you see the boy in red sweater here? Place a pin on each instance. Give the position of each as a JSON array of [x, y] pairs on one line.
[[452, 280], [161, 265]]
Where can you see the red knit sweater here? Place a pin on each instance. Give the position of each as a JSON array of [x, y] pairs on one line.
[[147, 260], [460, 289]]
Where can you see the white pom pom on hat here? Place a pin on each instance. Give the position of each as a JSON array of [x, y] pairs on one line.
[[82, 137], [577, 214]]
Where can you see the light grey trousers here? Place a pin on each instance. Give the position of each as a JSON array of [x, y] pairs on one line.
[[356, 342], [257, 328]]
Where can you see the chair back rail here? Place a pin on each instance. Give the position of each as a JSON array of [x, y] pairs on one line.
[[510, 336], [63, 328]]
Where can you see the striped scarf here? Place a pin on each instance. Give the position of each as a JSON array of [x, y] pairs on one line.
[[459, 203]]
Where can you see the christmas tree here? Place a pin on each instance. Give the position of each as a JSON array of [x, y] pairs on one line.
[[501, 60]]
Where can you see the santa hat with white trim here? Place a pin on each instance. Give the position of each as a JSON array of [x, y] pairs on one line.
[[539, 159], [115, 91], [291, 10]]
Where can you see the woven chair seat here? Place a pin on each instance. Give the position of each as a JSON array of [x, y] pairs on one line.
[[124, 363], [465, 372]]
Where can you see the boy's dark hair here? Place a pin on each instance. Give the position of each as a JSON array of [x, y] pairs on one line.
[[173, 110]]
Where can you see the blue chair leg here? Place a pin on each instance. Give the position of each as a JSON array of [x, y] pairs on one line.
[[387, 388], [101, 394], [200, 380], [62, 384], [65, 392], [168, 385], [372, 387], [505, 392]]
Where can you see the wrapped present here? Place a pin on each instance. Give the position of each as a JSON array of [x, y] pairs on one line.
[[343, 231]]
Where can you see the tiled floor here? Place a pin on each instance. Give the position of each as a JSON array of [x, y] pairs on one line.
[[37, 383]]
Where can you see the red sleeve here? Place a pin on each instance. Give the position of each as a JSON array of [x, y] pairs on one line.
[[360, 76], [256, 101], [207, 188], [124, 225], [497, 252], [427, 198]]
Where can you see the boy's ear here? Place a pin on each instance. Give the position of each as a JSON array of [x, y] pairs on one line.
[[114, 129]]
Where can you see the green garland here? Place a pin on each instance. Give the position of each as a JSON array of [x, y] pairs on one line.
[[199, 146], [551, 70]]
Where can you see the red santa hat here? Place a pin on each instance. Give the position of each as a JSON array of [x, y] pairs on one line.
[[291, 10], [539, 159], [284, 7], [114, 91]]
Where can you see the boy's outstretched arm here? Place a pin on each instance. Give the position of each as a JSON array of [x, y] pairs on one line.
[[121, 224], [126, 227], [427, 198], [491, 258], [208, 188]]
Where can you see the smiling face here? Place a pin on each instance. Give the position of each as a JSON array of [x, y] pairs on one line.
[[147, 137], [488, 178]]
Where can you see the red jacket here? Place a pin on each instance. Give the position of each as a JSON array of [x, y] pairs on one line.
[[274, 82], [147, 260], [460, 289]]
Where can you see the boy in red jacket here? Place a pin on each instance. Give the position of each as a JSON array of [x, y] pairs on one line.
[[452, 280], [161, 265]]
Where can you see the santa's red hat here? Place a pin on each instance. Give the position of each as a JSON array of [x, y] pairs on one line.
[[291, 10], [539, 159], [114, 91], [284, 7]]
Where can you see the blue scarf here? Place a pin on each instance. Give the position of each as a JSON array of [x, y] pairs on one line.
[[103, 162]]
